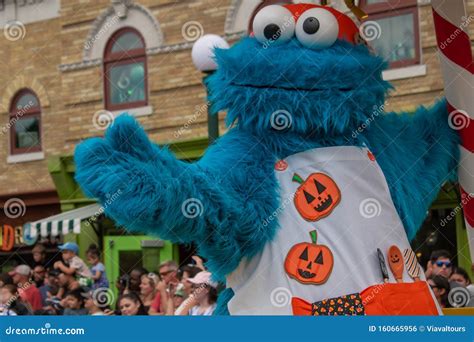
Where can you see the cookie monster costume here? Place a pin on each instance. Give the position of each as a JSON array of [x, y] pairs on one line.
[[311, 178]]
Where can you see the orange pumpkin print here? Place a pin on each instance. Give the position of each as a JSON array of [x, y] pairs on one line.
[[309, 263], [316, 197]]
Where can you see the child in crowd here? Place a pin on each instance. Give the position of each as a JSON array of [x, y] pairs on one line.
[[74, 304], [97, 269], [73, 265]]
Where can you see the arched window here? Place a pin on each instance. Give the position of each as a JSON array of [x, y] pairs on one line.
[[25, 123], [125, 70]]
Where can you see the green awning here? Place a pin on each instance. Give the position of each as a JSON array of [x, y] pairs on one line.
[[64, 223]]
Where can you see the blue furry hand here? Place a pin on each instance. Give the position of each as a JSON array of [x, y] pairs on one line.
[[129, 175]]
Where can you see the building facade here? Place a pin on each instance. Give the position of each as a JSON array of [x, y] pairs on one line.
[[67, 67]]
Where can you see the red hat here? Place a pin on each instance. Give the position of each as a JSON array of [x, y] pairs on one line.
[[348, 30]]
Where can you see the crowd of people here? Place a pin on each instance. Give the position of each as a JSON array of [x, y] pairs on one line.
[[72, 286], [443, 276]]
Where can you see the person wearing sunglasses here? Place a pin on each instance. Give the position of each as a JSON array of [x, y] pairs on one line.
[[440, 264], [168, 272]]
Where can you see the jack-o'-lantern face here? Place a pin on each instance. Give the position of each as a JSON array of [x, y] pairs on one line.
[[317, 196], [395, 255], [309, 263]]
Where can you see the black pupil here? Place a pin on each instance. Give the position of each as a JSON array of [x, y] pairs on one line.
[[311, 25], [272, 32]]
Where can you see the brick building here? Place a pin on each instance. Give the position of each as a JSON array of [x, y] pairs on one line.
[[66, 65]]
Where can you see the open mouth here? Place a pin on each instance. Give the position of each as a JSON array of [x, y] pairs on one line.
[[306, 274], [290, 88], [324, 204]]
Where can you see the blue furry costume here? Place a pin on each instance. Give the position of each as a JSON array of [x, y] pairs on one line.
[[330, 94]]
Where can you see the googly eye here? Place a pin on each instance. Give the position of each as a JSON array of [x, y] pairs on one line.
[[317, 28], [274, 25]]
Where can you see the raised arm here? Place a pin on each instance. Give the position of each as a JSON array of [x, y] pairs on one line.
[[417, 153], [218, 203]]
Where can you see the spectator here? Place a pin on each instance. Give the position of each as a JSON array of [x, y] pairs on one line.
[[73, 265], [460, 277], [130, 304], [39, 254], [39, 273], [26, 288], [177, 298], [74, 303], [92, 306], [11, 304], [52, 278], [148, 289], [135, 279], [169, 280], [40, 277], [5, 279], [202, 302], [188, 271], [123, 284], [66, 283], [169, 272], [440, 287], [439, 264], [98, 269]]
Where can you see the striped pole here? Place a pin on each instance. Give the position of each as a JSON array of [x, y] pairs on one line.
[[451, 24]]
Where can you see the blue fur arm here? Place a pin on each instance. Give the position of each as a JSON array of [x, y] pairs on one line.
[[417, 153], [145, 188]]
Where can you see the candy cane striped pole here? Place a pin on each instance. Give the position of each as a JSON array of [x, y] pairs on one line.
[[451, 24]]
